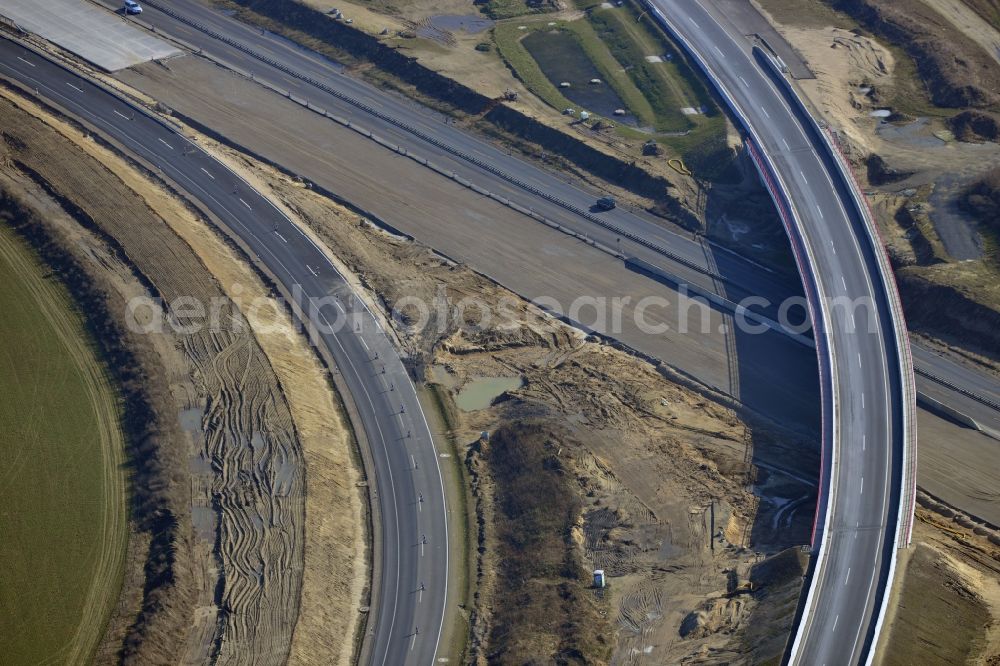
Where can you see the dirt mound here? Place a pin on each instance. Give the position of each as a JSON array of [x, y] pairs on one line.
[[717, 615], [956, 72], [975, 126], [941, 310], [545, 608], [880, 173], [982, 199], [949, 599], [656, 473]]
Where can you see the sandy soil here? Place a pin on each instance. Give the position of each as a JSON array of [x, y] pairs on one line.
[[523, 255], [971, 24], [654, 461], [949, 605], [453, 54], [211, 371], [335, 571]]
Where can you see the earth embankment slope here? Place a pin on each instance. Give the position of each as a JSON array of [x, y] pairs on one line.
[[647, 464], [231, 585]]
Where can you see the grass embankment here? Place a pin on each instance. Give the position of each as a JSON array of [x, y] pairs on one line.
[[617, 41], [62, 482], [543, 610]]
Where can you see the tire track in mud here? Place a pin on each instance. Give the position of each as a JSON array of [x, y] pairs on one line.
[[254, 474]]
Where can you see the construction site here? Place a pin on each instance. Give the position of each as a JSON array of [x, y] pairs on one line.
[[240, 495]]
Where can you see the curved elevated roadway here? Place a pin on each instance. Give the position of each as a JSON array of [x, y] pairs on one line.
[[683, 256], [751, 277], [865, 504], [414, 565]]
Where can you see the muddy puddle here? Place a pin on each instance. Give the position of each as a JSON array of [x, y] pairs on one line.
[[480, 392]]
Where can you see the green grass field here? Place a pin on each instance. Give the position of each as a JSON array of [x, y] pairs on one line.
[[62, 482], [617, 41]]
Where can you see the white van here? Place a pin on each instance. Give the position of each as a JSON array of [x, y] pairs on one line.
[[132, 7]]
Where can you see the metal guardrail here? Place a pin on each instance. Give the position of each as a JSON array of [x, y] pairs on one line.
[[766, 167], [972, 395], [908, 478], [795, 231], [902, 342], [424, 136]]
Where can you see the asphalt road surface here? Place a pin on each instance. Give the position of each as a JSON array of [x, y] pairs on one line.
[[692, 259], [689, 259], [408, 486], [864, 415]]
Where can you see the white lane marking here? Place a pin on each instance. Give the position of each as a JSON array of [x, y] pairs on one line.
[[74, 87], [120, 114], [864, 441], [363, 343], [862, 400], [312, 270], [843, 281], [339, 307], [848, 577], [859, 359], [833, 247], [835, 623], [820, 211], [413, 461], [31, 64], [695, 23], [283, 239], [862, 491], [413, 642], [207, 173], [853, 327], [165, 143], [181, 175], [744, 82], [803, 174], [765, 112], [245, 204], [718, 50], [785, 141]]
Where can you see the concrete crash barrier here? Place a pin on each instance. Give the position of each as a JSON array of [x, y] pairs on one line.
[[838, 164]]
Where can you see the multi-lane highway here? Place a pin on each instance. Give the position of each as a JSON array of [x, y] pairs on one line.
[[688, 258], [867, 408], [408, 490], [864, 388]]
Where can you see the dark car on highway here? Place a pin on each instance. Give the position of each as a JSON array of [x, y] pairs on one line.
[[605, 203]]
